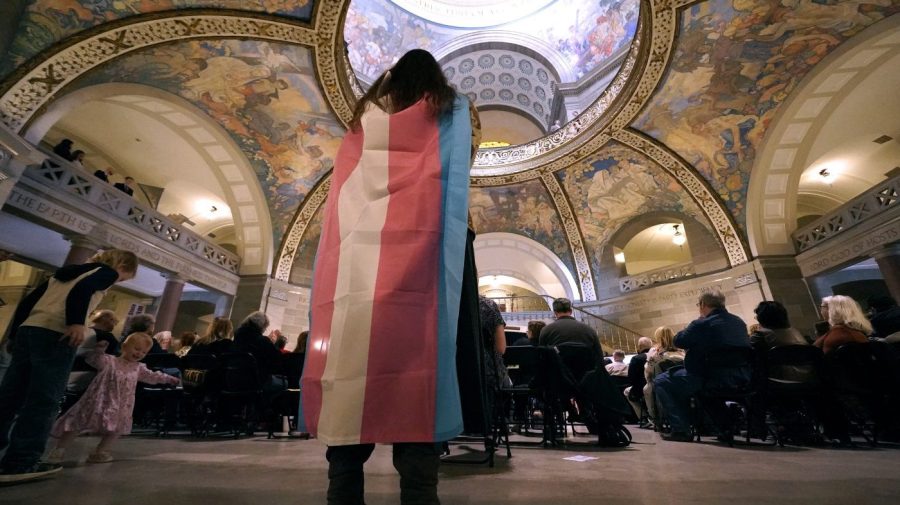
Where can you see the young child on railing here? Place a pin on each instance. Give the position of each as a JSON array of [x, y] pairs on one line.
[[107, 405]]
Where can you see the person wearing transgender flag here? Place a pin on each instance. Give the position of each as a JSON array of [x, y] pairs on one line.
[[381, 354]]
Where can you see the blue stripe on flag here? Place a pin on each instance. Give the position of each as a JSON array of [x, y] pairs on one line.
[[455, 144]]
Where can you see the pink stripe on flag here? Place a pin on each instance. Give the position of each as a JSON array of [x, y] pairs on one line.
[[325, 281], [401, 382]]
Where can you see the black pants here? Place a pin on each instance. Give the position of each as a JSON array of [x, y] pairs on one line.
[[416, 463]]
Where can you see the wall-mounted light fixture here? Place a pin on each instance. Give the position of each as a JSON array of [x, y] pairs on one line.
[[678, 238]]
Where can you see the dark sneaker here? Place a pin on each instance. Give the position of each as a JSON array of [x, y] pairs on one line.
[[38, 471]]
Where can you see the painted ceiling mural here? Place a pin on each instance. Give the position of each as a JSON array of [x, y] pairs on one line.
[[263, 94], [305, 256], [525, 209], [616, 185], [735, 62], [584, 32], [48, 21]]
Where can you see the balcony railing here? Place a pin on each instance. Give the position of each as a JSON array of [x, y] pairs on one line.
[[881, 198], [646, 279], [63, 175], [612, 335]]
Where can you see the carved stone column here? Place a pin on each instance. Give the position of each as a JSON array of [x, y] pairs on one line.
[[888, 259], [781, 280], [252, 292], [169, 301], [80, 251]]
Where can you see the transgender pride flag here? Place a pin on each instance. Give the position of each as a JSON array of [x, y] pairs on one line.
[[381, 356]]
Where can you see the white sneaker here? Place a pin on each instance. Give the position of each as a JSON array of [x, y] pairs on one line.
[[37, 471]]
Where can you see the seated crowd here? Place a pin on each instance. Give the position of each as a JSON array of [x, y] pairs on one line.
[[712, 369], [714, 372], [218, 342]]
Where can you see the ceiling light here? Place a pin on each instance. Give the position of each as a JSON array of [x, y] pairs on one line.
[[620, 257], [678, 238], [826, 175]]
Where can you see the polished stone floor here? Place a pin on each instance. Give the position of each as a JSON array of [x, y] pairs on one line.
[[256, 471]]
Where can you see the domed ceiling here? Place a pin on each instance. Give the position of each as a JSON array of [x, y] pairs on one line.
[[503, 55], [677, 129]]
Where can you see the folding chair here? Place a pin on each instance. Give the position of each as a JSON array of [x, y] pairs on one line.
[[797, 397], [726, 361], [240, 394], [157, 404], [287, 404], [201, 381]]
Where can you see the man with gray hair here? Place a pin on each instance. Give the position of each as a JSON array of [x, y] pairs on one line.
[[566, 329], [716, 328]]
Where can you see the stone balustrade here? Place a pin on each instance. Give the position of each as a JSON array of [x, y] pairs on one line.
[[90, 190], [647, 279], [879, 199]]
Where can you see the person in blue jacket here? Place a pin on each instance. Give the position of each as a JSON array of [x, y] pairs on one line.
[[716, 328]]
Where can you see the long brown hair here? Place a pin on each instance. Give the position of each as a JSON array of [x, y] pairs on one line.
[[415, 76], [220, 328]]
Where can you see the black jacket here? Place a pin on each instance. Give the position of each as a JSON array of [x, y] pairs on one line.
[[248, 338], [567, 329], [636, 376]]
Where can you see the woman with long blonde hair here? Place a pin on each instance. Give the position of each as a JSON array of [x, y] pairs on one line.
[[218, 338], [664, 353], [847, 321]]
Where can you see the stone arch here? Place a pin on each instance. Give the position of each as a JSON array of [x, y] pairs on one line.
[[496, 254], [775, 177], [707, 254], [241, 188]]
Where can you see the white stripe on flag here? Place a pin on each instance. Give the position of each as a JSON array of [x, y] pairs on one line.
[[362, 209]]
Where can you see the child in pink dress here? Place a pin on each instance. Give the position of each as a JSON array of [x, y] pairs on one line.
[[108, 402]]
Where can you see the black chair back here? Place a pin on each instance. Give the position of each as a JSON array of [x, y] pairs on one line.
[[728, 367], [523, 364], [859, 368], [161, 362], [291, 367], [199, 373], [240, 373], [796, 364], [578, 358]]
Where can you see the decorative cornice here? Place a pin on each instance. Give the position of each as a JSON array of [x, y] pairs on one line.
[[573, 235]]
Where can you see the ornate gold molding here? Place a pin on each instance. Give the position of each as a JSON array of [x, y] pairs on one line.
[[298, 226], [25, 97], [698, 188], [573, 235]]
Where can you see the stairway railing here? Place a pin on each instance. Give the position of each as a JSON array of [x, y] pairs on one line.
[[612, 335]]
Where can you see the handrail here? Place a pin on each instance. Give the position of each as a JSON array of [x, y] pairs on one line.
[[883, 196], [66, 176], [612, 335]]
